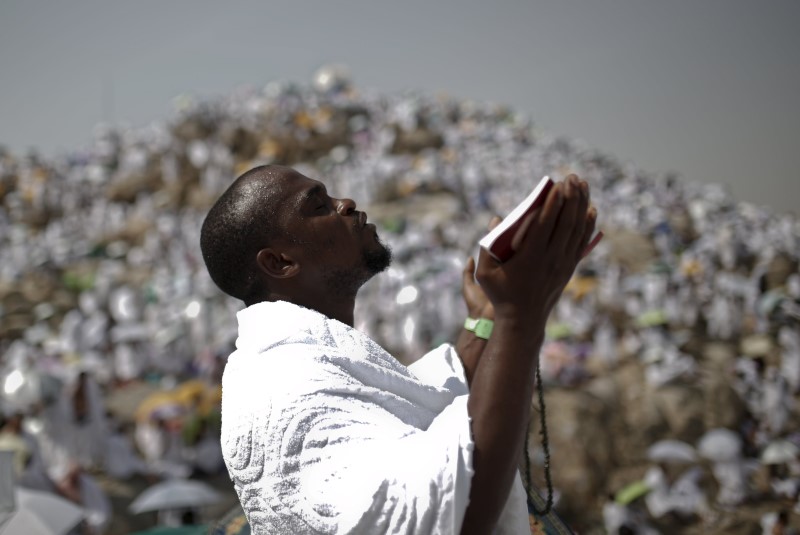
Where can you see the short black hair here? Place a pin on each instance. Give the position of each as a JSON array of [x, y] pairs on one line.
[[241, 222]]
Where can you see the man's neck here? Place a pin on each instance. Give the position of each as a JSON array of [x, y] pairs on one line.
[[340, 309]]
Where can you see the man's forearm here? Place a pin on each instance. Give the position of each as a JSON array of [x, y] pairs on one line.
[[499, 405], [469, 349]]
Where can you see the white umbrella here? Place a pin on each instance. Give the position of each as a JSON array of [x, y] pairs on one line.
[[779, 452], [720, 445], [20, 388], [671, 451], [41, 513], [175, 494]]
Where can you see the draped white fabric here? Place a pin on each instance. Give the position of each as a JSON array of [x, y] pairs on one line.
[[324, 432]]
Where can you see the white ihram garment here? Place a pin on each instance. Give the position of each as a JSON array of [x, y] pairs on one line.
[[324, 432]]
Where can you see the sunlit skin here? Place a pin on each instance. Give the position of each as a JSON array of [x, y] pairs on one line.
[[327, 252]]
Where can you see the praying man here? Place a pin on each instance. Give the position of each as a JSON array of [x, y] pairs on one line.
[[323, 431]]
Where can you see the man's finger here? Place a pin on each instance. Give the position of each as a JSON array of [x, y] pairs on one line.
[[576, 237], [543, 220], [559, 240], [588, 230], [468, 275], [486, 262], [522, 231]]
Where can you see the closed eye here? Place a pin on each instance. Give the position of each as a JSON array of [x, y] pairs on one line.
[[316, 199]]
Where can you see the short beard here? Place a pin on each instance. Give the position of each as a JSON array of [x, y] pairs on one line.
[[378, 260], [347, 282]]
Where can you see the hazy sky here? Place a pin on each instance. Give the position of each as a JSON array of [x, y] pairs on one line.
[[707, 88]]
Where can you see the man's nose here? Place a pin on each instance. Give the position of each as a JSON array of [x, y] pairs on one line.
[[346, 206]]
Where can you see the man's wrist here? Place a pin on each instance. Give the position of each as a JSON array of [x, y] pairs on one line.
[[513, 316], [482, 312], [481, 327]]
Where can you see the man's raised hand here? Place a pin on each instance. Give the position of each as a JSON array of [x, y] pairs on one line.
[[548, 247]]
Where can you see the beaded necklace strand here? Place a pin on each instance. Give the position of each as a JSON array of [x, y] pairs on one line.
[[545, 447]]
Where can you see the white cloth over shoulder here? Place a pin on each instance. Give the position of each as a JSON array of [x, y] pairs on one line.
[[324, 432]]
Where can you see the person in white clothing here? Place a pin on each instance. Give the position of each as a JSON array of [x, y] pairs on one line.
[[322, 430]]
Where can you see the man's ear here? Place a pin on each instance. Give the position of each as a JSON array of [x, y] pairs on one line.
[[276, 264]]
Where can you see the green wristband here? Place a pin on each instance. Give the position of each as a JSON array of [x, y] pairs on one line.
[[482, 327]]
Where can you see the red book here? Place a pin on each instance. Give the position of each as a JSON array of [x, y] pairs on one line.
[[498, 241]]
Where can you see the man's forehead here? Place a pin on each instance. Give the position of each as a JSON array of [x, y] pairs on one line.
[[298, 188], [278, 181], [287, 188]]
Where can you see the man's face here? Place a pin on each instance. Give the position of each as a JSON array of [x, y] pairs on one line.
[[333, 239]]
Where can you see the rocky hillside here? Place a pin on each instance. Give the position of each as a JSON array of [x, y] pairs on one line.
[[684, 319]]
